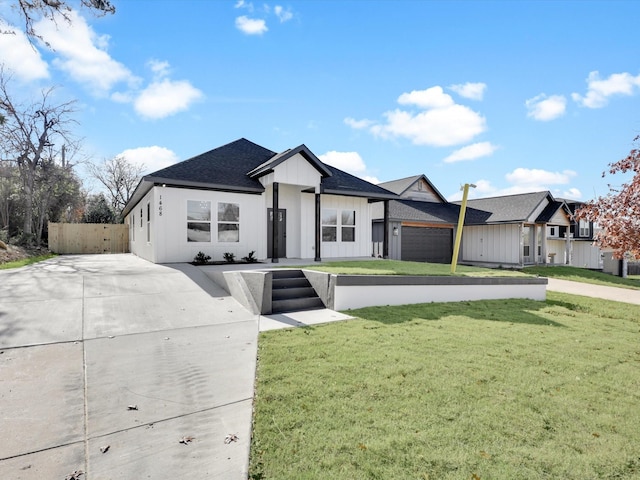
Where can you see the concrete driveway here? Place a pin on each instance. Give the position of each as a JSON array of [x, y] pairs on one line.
[[108, 362]]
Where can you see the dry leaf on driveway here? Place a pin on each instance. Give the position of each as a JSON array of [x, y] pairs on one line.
[[232, 437]]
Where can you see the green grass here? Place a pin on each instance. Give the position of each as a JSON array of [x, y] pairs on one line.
[[503, 389], [398, 267], [584, 275], [26, 261]]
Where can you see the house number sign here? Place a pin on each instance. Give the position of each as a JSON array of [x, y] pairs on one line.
[[160, 206]]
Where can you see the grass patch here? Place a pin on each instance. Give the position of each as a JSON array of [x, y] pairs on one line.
[[584, 275], [502, 389], [398, 267], [26, 261]]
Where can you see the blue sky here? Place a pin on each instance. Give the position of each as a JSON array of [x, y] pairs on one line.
[[512, 96]]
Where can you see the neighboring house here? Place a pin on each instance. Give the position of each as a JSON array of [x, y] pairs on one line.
[[421, 222], [515, 230], [223, 201], [582, 251]]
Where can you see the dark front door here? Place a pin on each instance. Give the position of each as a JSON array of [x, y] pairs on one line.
[[282, 232]]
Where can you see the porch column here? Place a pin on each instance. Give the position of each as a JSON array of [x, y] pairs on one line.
[[385, 239], [274, 229], [318, 229]]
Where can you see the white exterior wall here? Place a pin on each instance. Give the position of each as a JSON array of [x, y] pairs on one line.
[[491, 243], [559, 247], [586, 255], [138, 232], [362, 245], [296, 171], [170, 228], [350, 297]]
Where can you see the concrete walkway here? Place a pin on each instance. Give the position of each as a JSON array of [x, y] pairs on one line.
[[113, 351], [122, 369], [597, 291]]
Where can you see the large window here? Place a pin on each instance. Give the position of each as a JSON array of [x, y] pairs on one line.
[[329, 225], [198, 221], [332, 223], [228, 222], [348, 225]]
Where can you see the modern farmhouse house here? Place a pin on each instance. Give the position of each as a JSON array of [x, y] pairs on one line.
[[241, 198]]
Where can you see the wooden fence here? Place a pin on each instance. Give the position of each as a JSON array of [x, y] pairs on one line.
[[88, 238]]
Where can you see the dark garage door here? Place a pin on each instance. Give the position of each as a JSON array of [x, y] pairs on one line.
[[427, 244]]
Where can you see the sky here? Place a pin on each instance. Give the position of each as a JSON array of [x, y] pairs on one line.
[[511, 96]]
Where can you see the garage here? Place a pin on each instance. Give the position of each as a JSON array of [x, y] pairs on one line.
[[426, 244]]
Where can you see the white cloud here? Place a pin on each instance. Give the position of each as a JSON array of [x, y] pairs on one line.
[[283, 14], [166, 97], [599, 90], [524, 180], [471, 152], [440, 122], [358, 124], [159, 68], [82, 54], [243, 4], [534, 176], [151, 158], [432, 97], [20, 58], [545, 108], [572, 194], [251, 26], [473, 91], [350, 162]]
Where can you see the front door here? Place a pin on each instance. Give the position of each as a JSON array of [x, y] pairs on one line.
[[282, 232]]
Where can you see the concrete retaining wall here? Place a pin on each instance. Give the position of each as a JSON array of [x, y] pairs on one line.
[[252, 288]]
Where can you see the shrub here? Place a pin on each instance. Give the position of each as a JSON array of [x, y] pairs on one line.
[[229, 257], [250, 258], [201, 258]]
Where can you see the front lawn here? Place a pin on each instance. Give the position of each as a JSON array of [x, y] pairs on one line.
[[583, 275], [399, 267], [502, 389]]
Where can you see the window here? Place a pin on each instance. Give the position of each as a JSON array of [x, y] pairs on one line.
[[348, 226], [539, 239], [329, 225], [584, 228], [133, 227], [553, 231], [228, 222], [148, 222], [141, 218], [198, 221]]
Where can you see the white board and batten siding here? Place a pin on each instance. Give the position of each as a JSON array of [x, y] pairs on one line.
[[169, 216], [295, 171], [361, 247], [491, 243]]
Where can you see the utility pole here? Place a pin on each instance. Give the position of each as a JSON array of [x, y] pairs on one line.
[[463, 208]]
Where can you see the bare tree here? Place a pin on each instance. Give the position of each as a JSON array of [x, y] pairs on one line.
[[31, 135], [120, 177], [30, 11]]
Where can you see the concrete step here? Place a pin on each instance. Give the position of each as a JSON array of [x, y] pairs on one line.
[[296, 304], [290, 282], [293, 292]]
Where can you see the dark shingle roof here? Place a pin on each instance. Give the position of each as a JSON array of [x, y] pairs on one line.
[[224, 167], [505, 209], [237, 166], [401, 185], [343, 183], [417, 211]]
